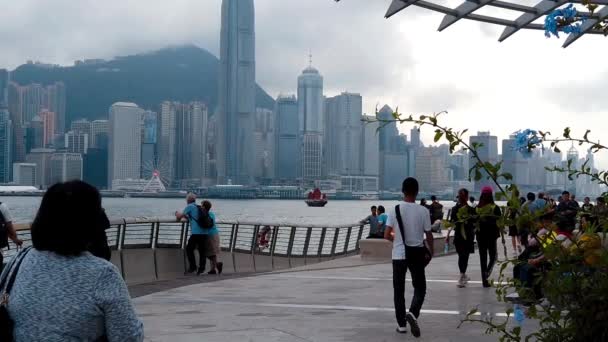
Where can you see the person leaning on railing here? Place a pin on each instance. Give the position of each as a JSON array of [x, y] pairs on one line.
[[61, 291]]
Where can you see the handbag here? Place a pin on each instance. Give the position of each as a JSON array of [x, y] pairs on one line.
[[419, 253], [7, 325]]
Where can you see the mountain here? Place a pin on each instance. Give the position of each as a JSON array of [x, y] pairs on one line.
[[185, 73]]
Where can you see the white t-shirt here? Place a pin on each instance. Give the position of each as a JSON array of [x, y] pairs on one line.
[[416, 221], [6, 213]]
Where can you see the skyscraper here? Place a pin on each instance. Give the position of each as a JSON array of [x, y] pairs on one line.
[[311, 122], [124, 155], [6, 160], [48, 120], [287, 144], [3, 88], [55, 102], [77, 142], [148, 143], [487, 151], [99, 128], [167, 140], [264, 144], [42, 158], [191, 140], [344, 135], [33, 101], [236, 105], [370, 148]]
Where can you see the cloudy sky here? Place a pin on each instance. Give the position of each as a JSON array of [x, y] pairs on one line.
[[528, 81]]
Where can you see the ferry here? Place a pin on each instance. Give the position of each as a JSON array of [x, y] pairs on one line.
[[316, 199]]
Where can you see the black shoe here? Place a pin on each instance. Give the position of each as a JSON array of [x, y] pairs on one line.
[[200, 271], [191, 270], [486, 283], [212, 272], [413, 322], [220, 267]]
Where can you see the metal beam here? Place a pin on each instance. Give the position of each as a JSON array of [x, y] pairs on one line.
[[542, 8], [397, 5], [463, 10], [587, 26]]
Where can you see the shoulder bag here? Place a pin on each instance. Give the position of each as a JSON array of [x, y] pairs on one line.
[[417, 253]]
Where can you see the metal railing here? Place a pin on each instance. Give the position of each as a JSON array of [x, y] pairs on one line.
[[288, 244]]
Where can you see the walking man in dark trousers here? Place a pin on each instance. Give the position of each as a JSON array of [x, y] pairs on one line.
[[197, 237], [407, 224]]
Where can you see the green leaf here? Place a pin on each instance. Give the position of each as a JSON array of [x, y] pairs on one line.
[[438, 135], [567, 133], [557, 150], [478, 175]]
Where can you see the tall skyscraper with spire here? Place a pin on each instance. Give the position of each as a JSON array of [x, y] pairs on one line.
[[236, 108], [312, 123]]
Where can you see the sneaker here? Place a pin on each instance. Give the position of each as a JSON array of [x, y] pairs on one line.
[[402, 330], [200, 271], [413, 322], [461, 281], [466, 279], [486, 283], [220, 267]]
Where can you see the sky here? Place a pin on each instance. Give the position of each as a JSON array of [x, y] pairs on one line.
[[527, 81]]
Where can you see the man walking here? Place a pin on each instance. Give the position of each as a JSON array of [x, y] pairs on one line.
[[197, 237], [406, 226], [7, 231]]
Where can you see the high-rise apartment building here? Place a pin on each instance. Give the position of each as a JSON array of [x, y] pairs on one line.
[[99, 129], [48, 121], [65, 167], [148, 143], [370, 148], [33, 101], [15, 108], [191, 138], [236, 105], [287, 140], [311, 123], [167, 143], [24, 174], [431, 170], [487, 151], [42, 158], [124, 152], [55, 102], [77, 142], [6, 160]]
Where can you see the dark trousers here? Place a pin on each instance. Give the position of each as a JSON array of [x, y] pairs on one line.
[[400, 268], [463, 257], [487, 248], [527, 275], [196, 241]]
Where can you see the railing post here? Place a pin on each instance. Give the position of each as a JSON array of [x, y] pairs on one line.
[[333, 245], [154, 240], [273, 244], [321, 243], [306, 244], [359, 237], [235, 229], [292, 235], [347, 242], [122, 231], [254, 240]]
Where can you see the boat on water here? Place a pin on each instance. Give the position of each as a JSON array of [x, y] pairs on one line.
[[316, 199]]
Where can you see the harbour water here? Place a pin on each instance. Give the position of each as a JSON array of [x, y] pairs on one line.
[[336, 212]]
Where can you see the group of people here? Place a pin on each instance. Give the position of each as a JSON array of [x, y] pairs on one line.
[[377, 222], [204, 239]]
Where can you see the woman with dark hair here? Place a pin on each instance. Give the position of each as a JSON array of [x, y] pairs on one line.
[[487, 232], [212, 242], [62, 292]]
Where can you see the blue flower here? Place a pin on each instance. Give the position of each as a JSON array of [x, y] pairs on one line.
[[563, 20], [525, 141]]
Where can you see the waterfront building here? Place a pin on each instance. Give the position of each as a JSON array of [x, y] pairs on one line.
[[42, 158], [99, 130], [287, 159], [370, 149], [236, 105], [24, 174], [33, 101], [6, 159], [167, 140], [15, 108], [431, 170], [34, 134], [66, 166], [488, 152], [77, 142], [135, 185], [124, 152], [48, 124], [55, 101], [397, 157], [191, 142], [311, 123], [148, 144]]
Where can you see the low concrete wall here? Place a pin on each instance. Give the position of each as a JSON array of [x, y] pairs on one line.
[[381, 250]]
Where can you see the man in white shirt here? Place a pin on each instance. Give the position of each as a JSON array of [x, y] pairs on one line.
[[7, 231], [409, 252]]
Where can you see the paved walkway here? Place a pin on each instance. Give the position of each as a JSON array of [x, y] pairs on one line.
[[321, 304]]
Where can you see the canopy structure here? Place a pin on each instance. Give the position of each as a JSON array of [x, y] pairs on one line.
[[526, 20]]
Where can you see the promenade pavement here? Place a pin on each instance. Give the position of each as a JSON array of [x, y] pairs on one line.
[[341, 300]]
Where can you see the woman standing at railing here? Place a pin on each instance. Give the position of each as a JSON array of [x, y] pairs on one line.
[[212, 243], [61, 292]]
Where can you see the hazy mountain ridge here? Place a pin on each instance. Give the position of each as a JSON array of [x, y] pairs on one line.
[[184, 73]]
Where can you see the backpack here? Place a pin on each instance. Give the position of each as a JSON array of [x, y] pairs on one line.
[[3, 231], [204, 220]]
